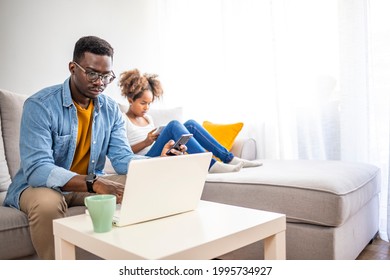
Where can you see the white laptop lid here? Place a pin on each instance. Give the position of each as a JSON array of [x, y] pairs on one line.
[[162, 186]]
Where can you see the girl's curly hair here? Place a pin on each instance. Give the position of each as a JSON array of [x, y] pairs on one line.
[[133, 84]]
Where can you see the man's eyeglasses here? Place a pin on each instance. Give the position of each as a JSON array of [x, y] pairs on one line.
[[92, 76]]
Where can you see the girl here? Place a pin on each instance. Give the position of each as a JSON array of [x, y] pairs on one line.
[[141, 91]]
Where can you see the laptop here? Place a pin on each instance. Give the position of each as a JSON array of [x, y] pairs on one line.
[[162, 186]]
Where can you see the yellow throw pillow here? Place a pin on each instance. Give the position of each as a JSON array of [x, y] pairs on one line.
[[225, 134]]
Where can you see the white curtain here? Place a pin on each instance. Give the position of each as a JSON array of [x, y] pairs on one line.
[[309, 78], [378, 96]]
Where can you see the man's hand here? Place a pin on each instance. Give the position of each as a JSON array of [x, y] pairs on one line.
[[104, 186], [101, 186], [169, 144]]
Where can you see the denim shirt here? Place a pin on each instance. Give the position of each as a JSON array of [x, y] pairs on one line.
[[48, 136]]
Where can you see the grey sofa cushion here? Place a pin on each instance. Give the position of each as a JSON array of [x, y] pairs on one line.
[[15, 234], [307, 191], [11, 105]]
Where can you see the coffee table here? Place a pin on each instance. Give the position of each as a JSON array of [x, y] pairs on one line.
[[211, 230]]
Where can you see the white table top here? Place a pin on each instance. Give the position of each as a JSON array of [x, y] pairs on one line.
[[175, 236]]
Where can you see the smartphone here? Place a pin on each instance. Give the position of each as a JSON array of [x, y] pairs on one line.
[[158, 130], [182, 141]]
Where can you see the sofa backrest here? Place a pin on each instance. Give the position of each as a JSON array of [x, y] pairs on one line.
[[5, 178], [11, 106], [161, 116]]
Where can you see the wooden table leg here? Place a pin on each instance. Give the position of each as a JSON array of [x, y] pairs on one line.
[[275, 246], [63, 249]]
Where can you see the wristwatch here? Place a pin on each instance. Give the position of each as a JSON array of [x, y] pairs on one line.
[[90, 180]]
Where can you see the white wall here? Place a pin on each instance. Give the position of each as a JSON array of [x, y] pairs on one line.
[[38, 37]]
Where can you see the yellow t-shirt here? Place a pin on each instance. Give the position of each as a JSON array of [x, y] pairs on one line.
[[83, 145]]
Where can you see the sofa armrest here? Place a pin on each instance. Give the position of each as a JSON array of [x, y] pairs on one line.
[[244, 148]]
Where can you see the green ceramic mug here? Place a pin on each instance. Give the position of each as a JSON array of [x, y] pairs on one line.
[[101, 208]]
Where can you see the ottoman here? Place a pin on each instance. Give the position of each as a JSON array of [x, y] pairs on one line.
[[332, 207]]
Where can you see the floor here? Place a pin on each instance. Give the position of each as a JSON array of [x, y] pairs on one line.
[[377, 250]]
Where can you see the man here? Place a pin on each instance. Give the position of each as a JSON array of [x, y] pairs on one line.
[[67, 131]]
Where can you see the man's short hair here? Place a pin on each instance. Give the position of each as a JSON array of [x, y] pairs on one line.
[[93, 45]]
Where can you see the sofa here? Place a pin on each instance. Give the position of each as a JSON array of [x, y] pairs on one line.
[[332, 207], [14, 229]]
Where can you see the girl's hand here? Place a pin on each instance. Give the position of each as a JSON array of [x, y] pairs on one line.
[[151, 137], [169, 145]]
